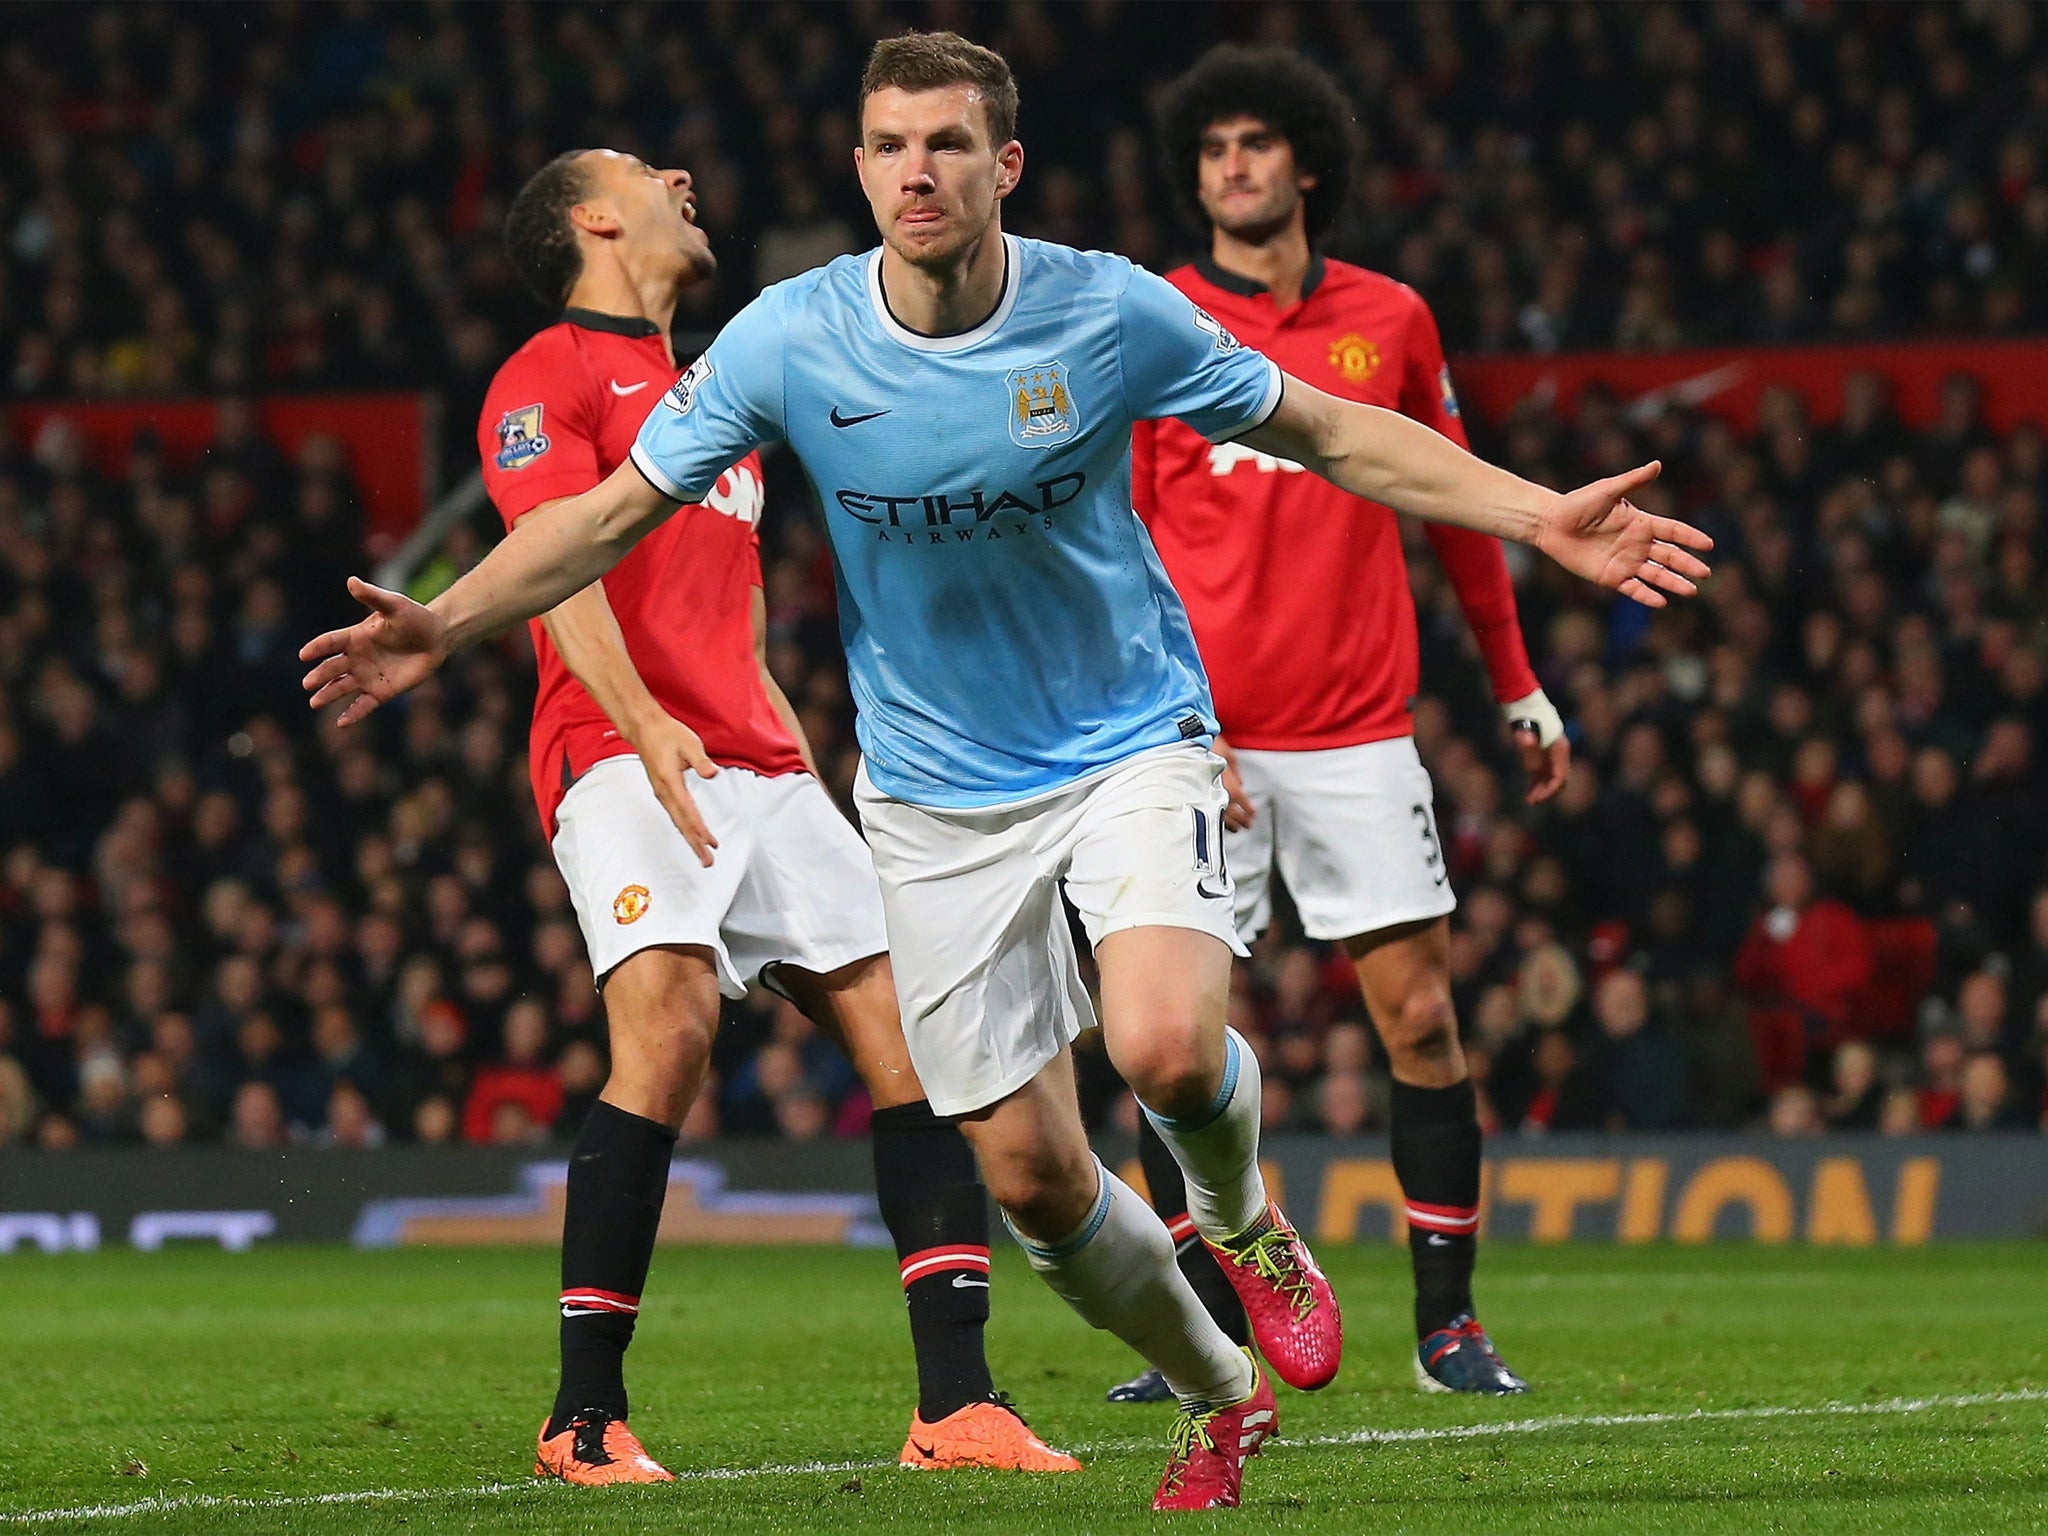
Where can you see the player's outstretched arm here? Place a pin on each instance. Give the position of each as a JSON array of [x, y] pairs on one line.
[[539, 563], [1595, 531]]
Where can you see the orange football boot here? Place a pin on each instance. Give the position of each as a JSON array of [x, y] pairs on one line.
[[594, 1451], [990, 1434]]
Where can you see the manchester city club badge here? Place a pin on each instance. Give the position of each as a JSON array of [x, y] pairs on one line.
[[1041, 408]]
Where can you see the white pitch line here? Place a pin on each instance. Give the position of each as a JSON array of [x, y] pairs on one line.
[[166, 1504], [1695, 1416]]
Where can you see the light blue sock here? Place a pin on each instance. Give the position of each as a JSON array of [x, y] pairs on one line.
[[1117, 1269], [1218, 1149]]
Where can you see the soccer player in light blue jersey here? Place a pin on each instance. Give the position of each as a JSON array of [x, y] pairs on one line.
[[1033, 714]]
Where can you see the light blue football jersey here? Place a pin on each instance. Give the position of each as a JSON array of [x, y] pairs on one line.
[[1009, 628]]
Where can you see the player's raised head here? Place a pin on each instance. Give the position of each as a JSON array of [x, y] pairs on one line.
[[938, 150], [1253, 135], [602, 206]]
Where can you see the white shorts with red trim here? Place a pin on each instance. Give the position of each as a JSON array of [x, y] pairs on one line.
[[790, 882], [1353, 831]]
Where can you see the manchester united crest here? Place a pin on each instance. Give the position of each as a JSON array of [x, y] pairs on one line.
[[1354, 358], [1041, 406], [630, 905]]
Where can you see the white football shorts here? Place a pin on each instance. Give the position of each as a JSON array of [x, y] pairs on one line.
[[790, 882], [985, 966], [1353, 830]]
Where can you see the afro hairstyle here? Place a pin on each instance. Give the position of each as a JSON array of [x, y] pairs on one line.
[[1291, 95]]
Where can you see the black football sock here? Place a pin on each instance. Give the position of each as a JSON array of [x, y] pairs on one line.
[[936, 1209], [1170, 1199], [1436, 1158], [618, 1177]]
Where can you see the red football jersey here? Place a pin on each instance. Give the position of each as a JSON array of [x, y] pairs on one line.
[[1298, 592], [561, 415]]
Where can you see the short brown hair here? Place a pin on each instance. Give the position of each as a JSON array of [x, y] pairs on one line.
[[539, 239], [931, 61]]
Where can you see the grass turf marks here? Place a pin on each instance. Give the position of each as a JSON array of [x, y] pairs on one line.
[[247, 1387]]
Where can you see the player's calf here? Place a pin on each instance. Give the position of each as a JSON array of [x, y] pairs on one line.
[[1291, 1308], [618, 1179], [937, 1213], [1421, 1038], [936, 1209], [1044, 1182], [617, 1184], [1436, 1153], [1436, 1156], [1109, 1256], [1116, 1269]]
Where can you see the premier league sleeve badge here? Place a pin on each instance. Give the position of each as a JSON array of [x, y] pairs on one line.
[[520, 439]]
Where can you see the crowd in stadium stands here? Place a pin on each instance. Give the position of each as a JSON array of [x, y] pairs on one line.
[[190, 201], [1798, 880]]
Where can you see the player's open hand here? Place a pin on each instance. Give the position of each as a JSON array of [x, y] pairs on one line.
[[397, 647], [670, 751], [1545, 767], [1598, 533]]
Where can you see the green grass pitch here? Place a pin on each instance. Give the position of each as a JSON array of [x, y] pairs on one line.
[[1729, 1389]]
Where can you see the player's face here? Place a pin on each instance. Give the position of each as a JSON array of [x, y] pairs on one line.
[[931, 173], [1246, 178], [655, 210]]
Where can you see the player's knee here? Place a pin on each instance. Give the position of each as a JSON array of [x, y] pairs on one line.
[[662, 1021], [1424, 1032], [665, 1046], [1046, 1192], [1168, 1067]]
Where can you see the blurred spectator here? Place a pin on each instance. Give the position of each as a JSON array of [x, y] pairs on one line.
[[1941, 1080], [582, 1069], [1986, 1102], [162, 1121], [256, 1118], [1900, 1115], [1639, 1068], [802, 1114], [1795, 1112], [1801, 965], [435, 1120], [1563, 1097], [1344, 1104], [350, 1121], [1857, 1096], [519, 1097]]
